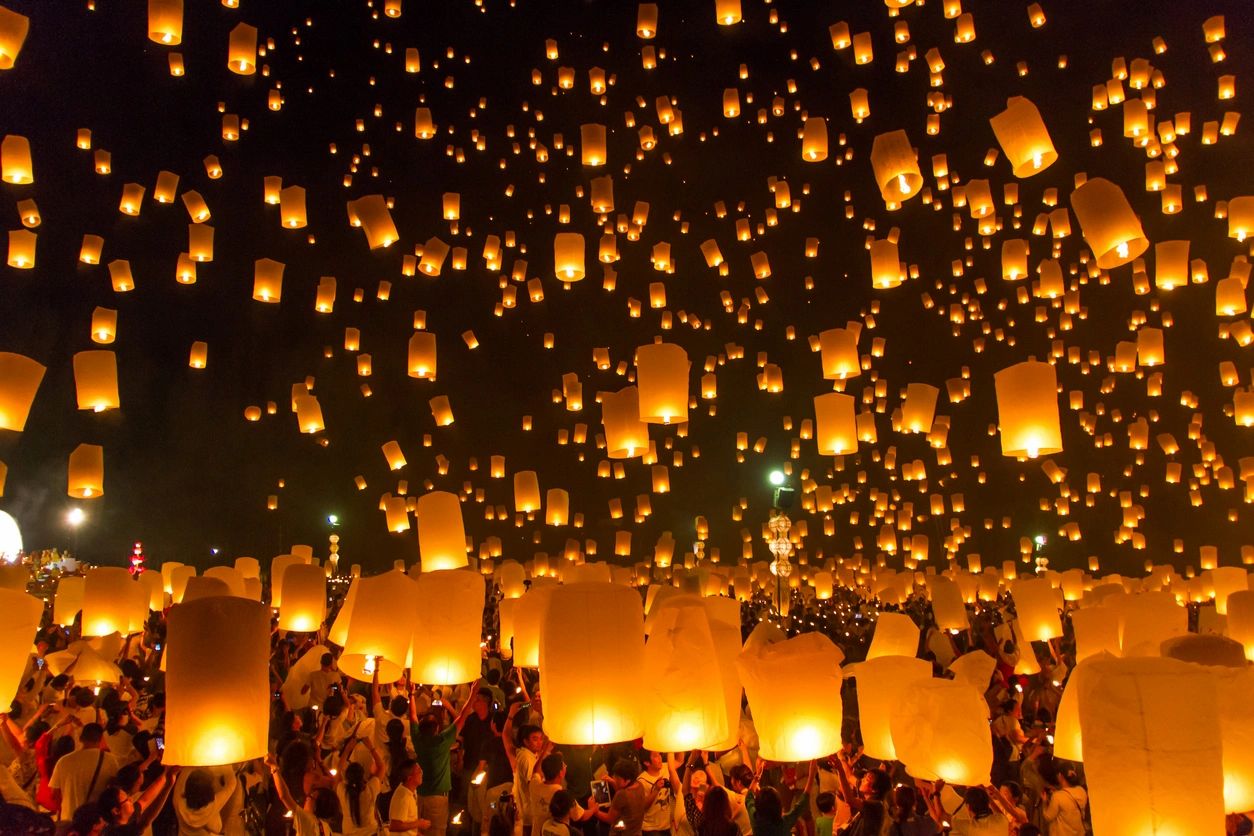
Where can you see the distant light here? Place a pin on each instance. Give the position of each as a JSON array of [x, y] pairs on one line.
[[10, 538], [333, 519], [75, 517], [777, 477], [1039, 539], [214, 551]]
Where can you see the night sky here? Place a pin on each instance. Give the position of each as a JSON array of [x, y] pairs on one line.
[[186, 473]]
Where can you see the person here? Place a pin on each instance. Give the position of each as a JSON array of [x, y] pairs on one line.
[[657, 819], [403, 814], [200, 795], [22, 740], [717, 817], [323, 682], [433, 750], [692, 790], [315, 816], [739, 778], [1008, 741], [474, 734], [563, 810], [497, 776], [1065, 804], [975, 816], [826, 803], [904, 818], [357, 790], [127, 816], [87, 821], [48, 751], [867, 802], [630, 800], [551, 779], [766, 809], [1009, 800], [524, 759], [384, 711], [81, 776]]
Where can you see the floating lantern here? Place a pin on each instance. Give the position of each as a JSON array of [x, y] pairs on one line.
[[793, 688], [86, 472], [1110, 226], [15, 160], [21, 249], [886, 270], [896, 169], [568, 256], [13, 28], [662, 382], [242, 50], [919, 408], [592, 704], [881, 682], [526, 492], [381, 627], [268, 280], [422, 363], [69, 600], [19, 622], [110, 596], [441, 535], [626, 436], [1023, 137], [836, 431], [940, 731], [684, 702], [896, 634], [165, 22], [1027, 410], [20, 377], [528, 621], [814, 140], [448, 627], [292, 207], [304, 601], [376, 221], [1037, 605], [96, 380]]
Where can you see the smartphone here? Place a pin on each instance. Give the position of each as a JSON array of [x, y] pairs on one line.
[[437, 702], [524, 706], [160, 743]]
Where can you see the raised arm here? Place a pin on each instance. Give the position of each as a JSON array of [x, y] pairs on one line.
[[280, 786]]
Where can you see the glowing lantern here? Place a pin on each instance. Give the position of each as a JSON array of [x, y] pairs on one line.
[[309, 414], [727, 12], [625, 434], [1096, 631], [814, 140], [919, 408], [1153, 751], [1023, 137], [1110, 226], [96, 380], [885, 265], [1240, 606], [20, 377], [381, 627], [568, 256], [896, 169], [646, 23], [836, 431], [592, 144], [592, 705], [896, 634], [662, 382], [526, 491], [449, 624], [15, 161], [13, 27], [881, 682], [69, 599], [684, 701], [86, 472], [839, 347], [395, 458], [376, 221], [19, 622], [165, 21], [441, 535], [528, 621], [1037, 605], [267, 280], [108, 601], [1240, 217], [304, 603], [940, 730], [242, 50], [1027, 410], [1228, 580], [21, 249], [292, 207], [217, 682], [198, 357], [793, 687]]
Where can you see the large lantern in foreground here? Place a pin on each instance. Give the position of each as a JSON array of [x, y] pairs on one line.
[[449, 624], [441, 534], [217, 682], [381, 627], [586, 703], [304, 605], [881, 682], [662, 382], [1027, 410], [19, 621], [896, 169], [20, 377], [683, 700], [793, 688], [940, 730], [896, 634]]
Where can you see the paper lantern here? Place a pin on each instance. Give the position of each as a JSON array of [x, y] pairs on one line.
[[662, 383], [1240, 607], [396, 510], [422, 362], [20, 377], [15, 159], [625, 434], [96, 380], [69, 600], [919, 408], [242, 50], [1096, 631], [308, 414], [836, 431], [1236, 726], [1227, 580], [940, 730], [528, 620], [723, 616], [568, 256], [526, 492], [304, 601], [86, 472], [592, 704], [154, 587], [338, 634], [1027, 410], [395, 458], [180, 576], [1037, 605], [896, 634], [448, 628], [839, 347], [198, 357], [1110, 226], [646, 20], [557, 507], [814, 140], [165, 22], [292, 209], [896, 169], [13, 27], [1023, 137], [886, 269], [441, 534], [267, 280], [20, 615], [881, 682], [21, 249], [376, 221], [198, 587], [382, 625], [109, 597], [793, 687], [217, 682], [441, 410], [1068, 741], [1153, 753], [592, 144], [683, 696], [1148, 620]]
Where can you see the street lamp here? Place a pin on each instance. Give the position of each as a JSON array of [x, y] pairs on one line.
[[74, 518], [780, 545]]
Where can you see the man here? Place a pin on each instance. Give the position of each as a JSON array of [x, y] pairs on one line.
[[552, 778], [498, 777], [80, 776], [524, 758], [631, 800], [433, 747], [321, 682], [475, 733], [657, 819], [403, 815]]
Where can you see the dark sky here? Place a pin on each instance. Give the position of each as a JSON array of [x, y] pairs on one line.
[[186, 473]]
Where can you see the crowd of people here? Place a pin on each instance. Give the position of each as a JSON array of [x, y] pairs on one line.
[[357, 758]]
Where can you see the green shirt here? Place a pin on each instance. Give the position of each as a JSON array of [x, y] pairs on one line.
[[433, 756]]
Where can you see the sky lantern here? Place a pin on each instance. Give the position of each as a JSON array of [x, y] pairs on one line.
[[1037, 605], [376, 221], [684, 707], [242, 50], [86, 472], [881, 682], [268, 280], [896, 634], [13, 28], [919, 409], [662, 382], [441, 534], [568, 256], [886, 269], [940, 730], [448, 627], [217, 682], [727, 12], [19, 622], [198, 357], [107, 600], [592, 144], [1023, 137], [309, 414], [1153, 752], [1241, 217], [1027, 410], [1110, 226], [814, 140], [382, 624], [836, 432], [21, 249], [69, 599], [839, 347], [165, 22], [626, 435], [15, 160], [526, 492], [646, 20], [19, 381], [896, 169], [292, 207], [793, 688], [592, 704], [304, 598], [528, 623]]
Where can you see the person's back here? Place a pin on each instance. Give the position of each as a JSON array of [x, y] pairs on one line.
[[81, 776], [1065, 811]]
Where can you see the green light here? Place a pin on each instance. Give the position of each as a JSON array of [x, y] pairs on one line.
[[777, 477]]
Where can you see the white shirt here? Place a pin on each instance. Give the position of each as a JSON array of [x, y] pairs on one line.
[[72, 776], [369, 816], [404, 806], [524, 768], [1065, 811]]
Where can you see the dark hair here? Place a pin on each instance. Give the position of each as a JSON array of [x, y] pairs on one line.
[[527, 731], [354, 783], [126, 777], [826, 802], [35, 731], [873, 815], [84, 697], [91, 733], [110, 802], [326, 806], [741, 774], [625, 769], [86, 817], [428, 725], [404, 770], [551, 766], [1008, 706], [58, 682], [198, 789], [1029, 830], [327, 659], [904, 800], [561, 804], [333, 705], [61, 747], [400, 706], [769, 809], [1016, 791], [396, 749], [978, 802], [880, 784], [493, 676], [716, 814], [486, 693]]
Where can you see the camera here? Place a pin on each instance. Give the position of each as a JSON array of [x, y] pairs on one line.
[[665, 783]]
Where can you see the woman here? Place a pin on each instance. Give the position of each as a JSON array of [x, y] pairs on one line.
[[975, 816], [22, 740], [904, 817], [358, 791], [395, 752], [692, 790], [317, 816], [867, 802], [1065, 804], [766, 810], [127, 815], [1009, 800], [717, 816]]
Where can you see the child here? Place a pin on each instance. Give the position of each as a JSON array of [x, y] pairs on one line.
[[826, 802]]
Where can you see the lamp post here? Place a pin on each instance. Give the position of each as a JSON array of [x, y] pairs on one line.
[[780, 545]]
